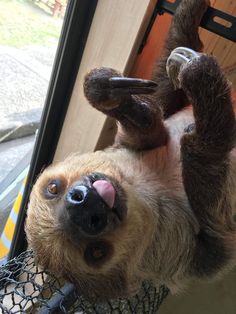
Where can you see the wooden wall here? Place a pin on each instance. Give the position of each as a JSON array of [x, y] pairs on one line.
[[116, 32], [223, 49]]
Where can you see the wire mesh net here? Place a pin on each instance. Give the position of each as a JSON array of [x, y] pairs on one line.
[[25, 288]]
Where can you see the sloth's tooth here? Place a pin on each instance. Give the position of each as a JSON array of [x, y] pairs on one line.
[[106, 190]]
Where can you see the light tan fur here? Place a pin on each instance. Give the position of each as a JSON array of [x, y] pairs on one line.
[[156, 239]]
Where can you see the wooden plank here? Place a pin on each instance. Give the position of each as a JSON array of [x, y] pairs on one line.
[[209, 39], [115, 35], [223, 49]]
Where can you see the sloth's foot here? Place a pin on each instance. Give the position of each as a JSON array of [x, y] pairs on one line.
[[106, 88], [209, 92], [179, 59]]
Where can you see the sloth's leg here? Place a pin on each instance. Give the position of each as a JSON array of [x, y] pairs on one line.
[[140, 119], [183, 33], [206, 164]]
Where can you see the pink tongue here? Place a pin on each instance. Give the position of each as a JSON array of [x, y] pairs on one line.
[[106, 191]]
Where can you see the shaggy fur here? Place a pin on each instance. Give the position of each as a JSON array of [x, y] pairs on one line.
[[174, 182]]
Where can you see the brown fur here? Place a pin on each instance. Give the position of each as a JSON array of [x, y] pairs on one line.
[[179, 194]]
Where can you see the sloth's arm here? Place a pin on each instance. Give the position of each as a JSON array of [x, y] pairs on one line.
[[183, 33], [141, 116], [205, 162], [140, 119]]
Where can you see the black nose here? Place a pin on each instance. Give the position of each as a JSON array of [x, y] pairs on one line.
[[86, 209]]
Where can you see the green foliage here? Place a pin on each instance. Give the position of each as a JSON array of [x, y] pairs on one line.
[[23, 23]]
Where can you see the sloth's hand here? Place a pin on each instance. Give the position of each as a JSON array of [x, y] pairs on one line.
[[106, 88]]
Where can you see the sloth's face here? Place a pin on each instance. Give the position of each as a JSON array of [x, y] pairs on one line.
[[86, 224]]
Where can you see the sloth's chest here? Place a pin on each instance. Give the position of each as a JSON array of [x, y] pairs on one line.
[[163, 165], [160, 169]]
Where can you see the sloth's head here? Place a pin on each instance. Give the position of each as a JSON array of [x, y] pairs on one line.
[[87, 225]]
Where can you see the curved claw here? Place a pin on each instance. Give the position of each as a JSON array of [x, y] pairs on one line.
[[187, 52], [121, 86], [178, 58]]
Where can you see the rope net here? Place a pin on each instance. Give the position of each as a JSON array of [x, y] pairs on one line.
[[25, 288]]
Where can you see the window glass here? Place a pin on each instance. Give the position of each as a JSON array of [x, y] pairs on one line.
[[29, 34]]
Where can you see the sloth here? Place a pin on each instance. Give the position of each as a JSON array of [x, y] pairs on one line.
[[159, 204]]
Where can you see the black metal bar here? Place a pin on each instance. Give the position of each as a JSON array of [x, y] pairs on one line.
[[77, 22], [208, 21], [166, 6], [63, 299]]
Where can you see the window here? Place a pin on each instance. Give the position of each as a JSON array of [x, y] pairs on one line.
[[29, 35]]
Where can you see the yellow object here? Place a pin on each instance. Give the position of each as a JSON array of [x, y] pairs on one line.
[[9, 229]]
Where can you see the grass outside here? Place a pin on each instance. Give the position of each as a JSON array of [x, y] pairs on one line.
[[22, 23]]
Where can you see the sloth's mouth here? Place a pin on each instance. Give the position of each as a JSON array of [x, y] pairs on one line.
[[95, 205], [109, 192], [105, 189]]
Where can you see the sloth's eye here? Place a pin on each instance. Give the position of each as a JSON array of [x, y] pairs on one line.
[[53, 188]]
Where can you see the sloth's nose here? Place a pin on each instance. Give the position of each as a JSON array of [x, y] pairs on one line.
[[87, 209]]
